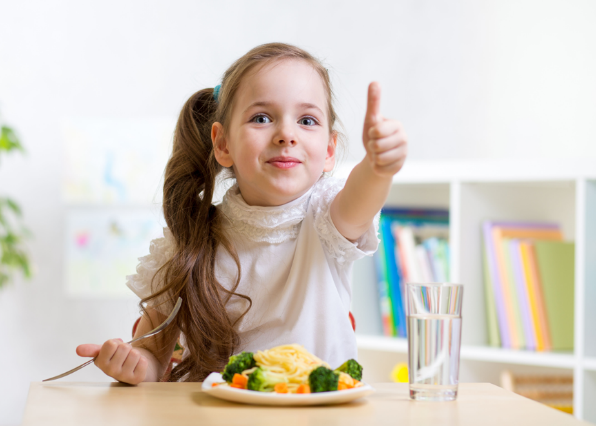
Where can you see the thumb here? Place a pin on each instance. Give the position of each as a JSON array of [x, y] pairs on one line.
[[88, 349], [373, 108]]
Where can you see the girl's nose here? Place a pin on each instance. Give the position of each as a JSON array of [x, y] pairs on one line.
[[285, 135], [287, 141]]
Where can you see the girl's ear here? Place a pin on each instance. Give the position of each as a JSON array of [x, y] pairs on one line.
[[331, 148], [220, 145]]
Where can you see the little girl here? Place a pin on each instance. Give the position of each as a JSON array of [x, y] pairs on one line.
[[272, 263]]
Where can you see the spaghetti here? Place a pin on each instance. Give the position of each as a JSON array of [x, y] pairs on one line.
[[289, 363]]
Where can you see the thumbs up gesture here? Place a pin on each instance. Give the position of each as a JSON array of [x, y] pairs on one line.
[[384, 140]]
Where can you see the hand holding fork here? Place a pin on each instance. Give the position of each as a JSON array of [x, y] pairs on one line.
[[119, 359]]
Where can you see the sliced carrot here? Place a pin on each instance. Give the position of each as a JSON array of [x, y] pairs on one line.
[[214, 384], [304, 388], [281, 388], [234, 385], [342, 386], [239, 379]]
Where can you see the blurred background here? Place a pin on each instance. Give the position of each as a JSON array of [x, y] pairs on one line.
[[92, 91]]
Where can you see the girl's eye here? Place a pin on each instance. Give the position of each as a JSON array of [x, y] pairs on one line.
[[308, 121], [261, 119]]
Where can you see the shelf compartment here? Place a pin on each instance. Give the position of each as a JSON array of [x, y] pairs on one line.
[[589, 270], [590, 364], [476, 353], [365, 303], [504, 201]]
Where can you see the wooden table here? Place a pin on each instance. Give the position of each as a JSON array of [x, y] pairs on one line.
[[177, 404]]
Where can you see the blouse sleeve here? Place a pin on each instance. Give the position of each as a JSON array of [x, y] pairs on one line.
[[335, 244], [142, 283]]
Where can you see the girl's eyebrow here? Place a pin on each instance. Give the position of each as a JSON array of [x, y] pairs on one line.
[[265, 103]]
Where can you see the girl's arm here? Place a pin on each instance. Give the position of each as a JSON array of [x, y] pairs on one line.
[[367, 187]]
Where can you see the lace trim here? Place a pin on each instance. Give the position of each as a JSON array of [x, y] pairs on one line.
[[264, 224], [338, 246], [160, 251]]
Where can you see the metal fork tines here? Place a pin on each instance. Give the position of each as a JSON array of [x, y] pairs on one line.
[[144, 336]]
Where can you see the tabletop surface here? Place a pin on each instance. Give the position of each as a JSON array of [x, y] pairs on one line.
[[72, 403]]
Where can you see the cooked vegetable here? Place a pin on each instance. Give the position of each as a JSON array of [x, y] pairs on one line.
[[322, 379], [352, 368], [303, 388], [238, 363], [239, 379], [281, 388], [261, 380]]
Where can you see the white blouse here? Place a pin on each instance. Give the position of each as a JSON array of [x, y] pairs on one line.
[[295, 266]]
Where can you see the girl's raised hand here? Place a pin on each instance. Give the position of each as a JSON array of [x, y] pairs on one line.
[[118, 360], [384, 139]]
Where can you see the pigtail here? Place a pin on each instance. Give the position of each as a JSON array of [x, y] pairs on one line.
[[196, 225]]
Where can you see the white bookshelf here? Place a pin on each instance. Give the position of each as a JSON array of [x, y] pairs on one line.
[[562, 192]]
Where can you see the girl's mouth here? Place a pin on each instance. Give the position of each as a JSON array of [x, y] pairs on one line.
[[284, 162]]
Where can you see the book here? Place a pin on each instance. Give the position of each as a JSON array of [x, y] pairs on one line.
[[422, 257], [494, 338], [518, 338], [523, 296], [497, 283], [393, 278], [556, 266], [383, 292], [540, 304], [534, 299], [405, 239]]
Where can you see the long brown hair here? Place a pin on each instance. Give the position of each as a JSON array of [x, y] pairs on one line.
[[197, 225]]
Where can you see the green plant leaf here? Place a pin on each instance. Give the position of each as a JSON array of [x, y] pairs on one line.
[[13, 256], [14, 207], [3, 278], [9, 140]]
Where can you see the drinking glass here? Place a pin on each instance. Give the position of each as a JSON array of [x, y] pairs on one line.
[[433, 313]]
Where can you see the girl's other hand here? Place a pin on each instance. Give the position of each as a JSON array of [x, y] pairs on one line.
[[118, 360], [384, 139]]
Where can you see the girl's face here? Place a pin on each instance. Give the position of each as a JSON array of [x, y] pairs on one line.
[[278, 141]]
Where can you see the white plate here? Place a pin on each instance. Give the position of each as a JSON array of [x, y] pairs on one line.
[[272, 398]]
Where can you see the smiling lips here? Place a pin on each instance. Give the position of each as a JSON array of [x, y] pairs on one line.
[[284, 162]]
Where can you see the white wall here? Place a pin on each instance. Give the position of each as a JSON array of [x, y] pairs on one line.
[[468, 79]]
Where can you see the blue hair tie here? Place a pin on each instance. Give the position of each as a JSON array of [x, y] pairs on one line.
[[216, 92]]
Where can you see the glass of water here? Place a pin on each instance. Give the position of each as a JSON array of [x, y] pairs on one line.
[[433, 313]]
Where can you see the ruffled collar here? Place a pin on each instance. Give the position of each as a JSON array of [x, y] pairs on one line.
[[264, 224]]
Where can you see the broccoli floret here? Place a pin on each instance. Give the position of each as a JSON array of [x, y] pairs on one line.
[[261, 380], [237, 364], [352, 368], [322, 379]]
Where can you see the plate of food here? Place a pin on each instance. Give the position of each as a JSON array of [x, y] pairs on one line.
[[286, 375]]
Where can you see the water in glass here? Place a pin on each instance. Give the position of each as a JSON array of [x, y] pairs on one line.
[[434, 343]]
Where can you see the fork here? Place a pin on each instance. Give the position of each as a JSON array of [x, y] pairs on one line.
[[144, 336]]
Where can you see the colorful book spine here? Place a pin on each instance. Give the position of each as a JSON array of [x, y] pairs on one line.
[[494, 338], [556, 264], [522, 295], [383, 289], [497, 288], [524, 248], [408, 246], [393, 278], [540, 304], [518, 340]]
